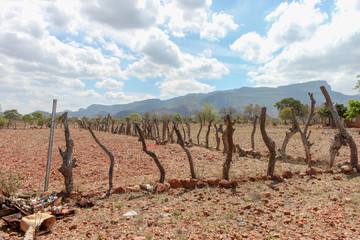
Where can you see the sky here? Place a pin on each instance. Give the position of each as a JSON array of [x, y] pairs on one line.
[[114, 52]]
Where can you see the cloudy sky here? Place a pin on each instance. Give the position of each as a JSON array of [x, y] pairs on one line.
[[109, 52]]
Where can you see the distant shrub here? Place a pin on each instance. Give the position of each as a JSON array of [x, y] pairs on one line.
[[3, 121]]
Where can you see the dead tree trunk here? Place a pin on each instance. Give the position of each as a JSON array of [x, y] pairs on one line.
[[335, 146], [164, 128], [270, 144], [171, 136], [188, 132], [207, 133], [253, 133], [128, 127], [111, 156], [198, 135], [68, 163], [228, 136], [304, 140], [157, 129], [294, 129], [217, 138], [182, 144], [344, 133], [182, 126], [151, 154]]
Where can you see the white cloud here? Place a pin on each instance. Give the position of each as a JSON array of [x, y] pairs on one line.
[[109, 83], [88, 93], [218, 27], [183, 86], [122, 97], [331, 53]]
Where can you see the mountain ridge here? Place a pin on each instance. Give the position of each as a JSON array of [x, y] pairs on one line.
[[236, 98]]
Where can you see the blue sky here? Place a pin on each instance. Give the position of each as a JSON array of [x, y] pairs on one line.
[[111, 52]]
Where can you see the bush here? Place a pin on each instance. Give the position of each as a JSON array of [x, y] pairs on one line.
[[3, 121], [9, 183]]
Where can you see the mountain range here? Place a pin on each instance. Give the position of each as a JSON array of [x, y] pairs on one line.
[[236, 98]]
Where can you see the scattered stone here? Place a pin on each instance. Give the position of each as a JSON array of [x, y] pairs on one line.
[[140, 238], [311, 171], [347, 200], [130, 213], [72, 227], [287, 174], [167, 186], [174, 183], [159, 188], [333, 198], [213, 182], [166, 209], [234, 183], [252, 179], [200, 184], [120, 190], [188, 183], [286, 212], [267, 195], [337, 178], [346, 169], [225, 183], [135, 188]]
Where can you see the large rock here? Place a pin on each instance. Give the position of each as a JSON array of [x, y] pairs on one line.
[[159, 188], [188, 183], [174, 183], [287, 174], [346, 169], [213, 182], [225, 183]]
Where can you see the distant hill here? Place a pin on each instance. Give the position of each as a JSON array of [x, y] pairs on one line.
[[236, 98]]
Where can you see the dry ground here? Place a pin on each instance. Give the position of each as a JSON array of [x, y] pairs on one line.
[[299, 208]]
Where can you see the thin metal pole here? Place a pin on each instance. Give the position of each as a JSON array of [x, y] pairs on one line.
[[50, 145]]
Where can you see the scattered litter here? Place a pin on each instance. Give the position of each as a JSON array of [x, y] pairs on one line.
[[130, 213], [151, 145], [149, 188]]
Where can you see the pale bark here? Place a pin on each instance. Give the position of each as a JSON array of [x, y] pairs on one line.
[[217, 137]]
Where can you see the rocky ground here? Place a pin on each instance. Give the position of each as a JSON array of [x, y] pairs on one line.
[[325, 206]]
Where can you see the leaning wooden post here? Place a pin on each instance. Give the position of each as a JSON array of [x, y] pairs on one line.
[[270, 144], [345, 134], [182, 144], [68, 163], [111, 156], [47, 175], [228, 138], [151, 154]]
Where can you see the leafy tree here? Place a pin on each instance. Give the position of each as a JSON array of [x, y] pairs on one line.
[[39, 118], [135, 117], [12, 115], [290, 102], [3, 121], [27, 119], [285, 114], [250, 110], [209, 113], [176, 118], [357, 86], [353, 110], [325, 111]]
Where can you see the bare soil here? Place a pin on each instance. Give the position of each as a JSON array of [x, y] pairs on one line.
[[323, 207]]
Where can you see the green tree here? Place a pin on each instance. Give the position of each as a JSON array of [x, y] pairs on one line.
[[290, 102], [325, 111], [3, 121], [27, 119], [12, 116], [353, 110], [209, 113], [135, 117], [285, 114], [39, 118]]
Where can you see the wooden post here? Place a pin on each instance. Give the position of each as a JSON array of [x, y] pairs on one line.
[[47, 175], [345, 134], [270, 144]]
